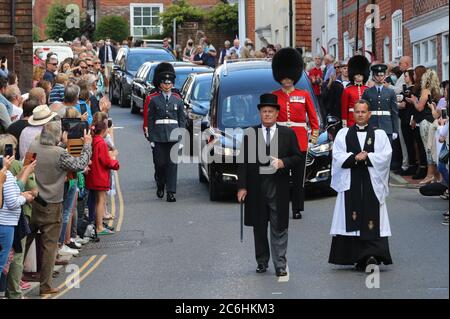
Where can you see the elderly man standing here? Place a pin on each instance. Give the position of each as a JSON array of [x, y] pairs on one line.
[[12, 93], [52, 164]]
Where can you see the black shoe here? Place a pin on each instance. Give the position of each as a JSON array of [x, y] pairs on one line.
[[261, 268], [160, 191], [420, 174], [409, 172], [171, 198], [372, 261], [281, 272], [296, 214]]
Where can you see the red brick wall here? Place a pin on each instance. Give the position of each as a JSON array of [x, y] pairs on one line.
[[23, 32], [40, 12], [303, 29], [251, 19]]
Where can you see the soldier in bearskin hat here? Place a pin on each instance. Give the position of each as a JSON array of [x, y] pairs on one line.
[[295, 107], [163, 113], [358, 73]]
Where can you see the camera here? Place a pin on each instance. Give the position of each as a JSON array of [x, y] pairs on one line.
[[407, 92], [109, 123]]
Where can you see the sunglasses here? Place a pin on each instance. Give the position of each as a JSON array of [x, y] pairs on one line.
[[55, 64], [90, 65], [83, 67]]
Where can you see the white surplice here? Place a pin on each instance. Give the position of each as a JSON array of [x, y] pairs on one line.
[[379, 176]]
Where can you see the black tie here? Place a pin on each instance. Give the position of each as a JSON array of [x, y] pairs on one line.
[[267, 136]]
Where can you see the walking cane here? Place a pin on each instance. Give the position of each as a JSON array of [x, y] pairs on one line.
[[242, 221]]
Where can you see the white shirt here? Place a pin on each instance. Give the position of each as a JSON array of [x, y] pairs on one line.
[[109, 54], [272, 132], [17, 113]]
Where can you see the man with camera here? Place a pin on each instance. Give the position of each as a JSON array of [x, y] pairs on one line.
[[4, 67], [53, 162]]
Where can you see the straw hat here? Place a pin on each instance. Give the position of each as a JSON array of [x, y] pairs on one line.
[[41, 115]]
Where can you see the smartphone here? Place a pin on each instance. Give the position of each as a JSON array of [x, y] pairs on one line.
[[429, 99], [9, 149], [1, 162], [29, 158], [444, 114], [74, 127], [109, 123]]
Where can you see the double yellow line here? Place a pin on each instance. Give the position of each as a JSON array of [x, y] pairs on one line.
[[76, 278]]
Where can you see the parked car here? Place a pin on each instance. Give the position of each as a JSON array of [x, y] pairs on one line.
[[196, 93], [62, 50], [127, 63], [142, 84], [236, 88], [182, 72]]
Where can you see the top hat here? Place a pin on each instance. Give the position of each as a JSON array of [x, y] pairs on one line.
[[268, 99], [287, 63]]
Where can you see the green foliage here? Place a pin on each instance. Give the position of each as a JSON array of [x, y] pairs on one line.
[[57, 25], [114, 27], [182, 12], [224, 17], [36, 33]]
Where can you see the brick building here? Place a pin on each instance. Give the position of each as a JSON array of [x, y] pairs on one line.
[[16, 39], [418, 28], [272, 23]]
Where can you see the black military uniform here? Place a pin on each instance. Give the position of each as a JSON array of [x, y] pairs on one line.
[[165, 116], [383, 105]]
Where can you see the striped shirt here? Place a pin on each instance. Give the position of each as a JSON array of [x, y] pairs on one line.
[[57, 94], [12, 201]]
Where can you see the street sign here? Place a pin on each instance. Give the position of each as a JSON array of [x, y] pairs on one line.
[[189, 25]]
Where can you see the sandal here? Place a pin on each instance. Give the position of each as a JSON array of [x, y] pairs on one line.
[[427, 180], [105, 231], [108, 217]]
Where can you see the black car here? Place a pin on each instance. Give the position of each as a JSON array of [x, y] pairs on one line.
[[127, 63], [236, 88], [142, 84], [196, 93]]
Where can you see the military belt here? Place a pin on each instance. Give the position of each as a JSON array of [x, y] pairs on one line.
[[166, 121], [292, 124], [379, 113]]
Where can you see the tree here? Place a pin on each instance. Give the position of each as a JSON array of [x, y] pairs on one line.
[[182, 12], [224, 17], [36, 33], [114, 27], [63, 24]]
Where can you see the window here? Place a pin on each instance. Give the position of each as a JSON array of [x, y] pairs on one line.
[[445, 59], [368, 39], [397, 34], [386, 50], [332, 7], [318, 46], [425, 53], [286, 36], [277, 36], [144, 19], [333, 48], [347, 49]]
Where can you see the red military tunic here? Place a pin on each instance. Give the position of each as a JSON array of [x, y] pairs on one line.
[[293, 109], [350, 96], [147, 102]]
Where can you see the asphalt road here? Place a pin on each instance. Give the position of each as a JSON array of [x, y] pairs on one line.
[[191, 248]]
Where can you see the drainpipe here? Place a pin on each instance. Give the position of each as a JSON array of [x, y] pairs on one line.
[[291, 25], [13, 17]]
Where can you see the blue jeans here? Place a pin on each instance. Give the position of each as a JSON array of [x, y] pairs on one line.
[[6, 241], [67, 208], [91, 206], [444, 172]]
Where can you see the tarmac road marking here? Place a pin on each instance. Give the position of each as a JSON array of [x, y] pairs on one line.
[[71, 277], [79, 280]]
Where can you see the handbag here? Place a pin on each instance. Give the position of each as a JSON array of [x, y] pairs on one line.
[[443, 154]]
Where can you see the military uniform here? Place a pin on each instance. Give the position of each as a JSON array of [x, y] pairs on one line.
[[165, 114], [295, 108], [383, 105]]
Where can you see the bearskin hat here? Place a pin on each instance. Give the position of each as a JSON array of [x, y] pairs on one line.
[[163, 70], [359, 65], [287, 63]]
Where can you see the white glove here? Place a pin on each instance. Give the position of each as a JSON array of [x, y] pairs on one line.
[[394, 136], [152, 144]]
